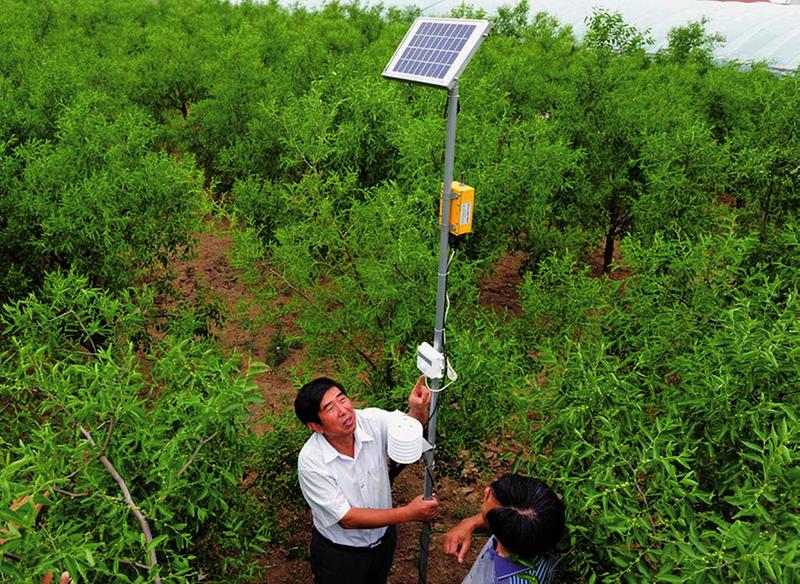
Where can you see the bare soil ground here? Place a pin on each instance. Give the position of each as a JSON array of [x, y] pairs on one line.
[[243, 331], [499, 288], [619, 271]]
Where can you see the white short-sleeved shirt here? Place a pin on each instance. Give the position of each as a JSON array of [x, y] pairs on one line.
[[332, 483]]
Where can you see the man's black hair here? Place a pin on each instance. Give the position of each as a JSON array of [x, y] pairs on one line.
[[530, 520], [306, 404]]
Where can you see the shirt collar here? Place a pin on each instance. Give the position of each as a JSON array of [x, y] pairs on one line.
[[503, 567], [329, 453]]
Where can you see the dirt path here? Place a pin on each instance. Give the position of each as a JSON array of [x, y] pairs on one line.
[[242, 330]]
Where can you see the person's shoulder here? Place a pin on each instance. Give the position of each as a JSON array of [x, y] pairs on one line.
[[310, 452], [540, 572], [373, 417], [371, 413]]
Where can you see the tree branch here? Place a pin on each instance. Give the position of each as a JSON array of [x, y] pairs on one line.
[[286, 281], [108, 434], [202, 443], [360, 352], [359, 279], [318, 309], [132, 563], [152, 560], [69, 494]]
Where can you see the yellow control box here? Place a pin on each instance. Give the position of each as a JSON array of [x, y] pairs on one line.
[[460, 208]]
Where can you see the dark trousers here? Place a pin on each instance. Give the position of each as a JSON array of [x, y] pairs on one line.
[[332, 563]]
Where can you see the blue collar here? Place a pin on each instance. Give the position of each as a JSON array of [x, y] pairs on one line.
[[504, 567]]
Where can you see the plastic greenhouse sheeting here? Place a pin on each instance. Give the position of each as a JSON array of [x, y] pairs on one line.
[[754, 31]]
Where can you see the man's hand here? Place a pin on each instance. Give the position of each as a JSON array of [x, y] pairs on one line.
[[458, 540], [419, 401], [423, 510]]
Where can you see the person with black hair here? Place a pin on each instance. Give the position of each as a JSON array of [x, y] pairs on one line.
[[344, 476], [526, 520]]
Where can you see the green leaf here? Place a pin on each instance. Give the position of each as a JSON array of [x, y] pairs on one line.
[[12, 516], [156, 542]]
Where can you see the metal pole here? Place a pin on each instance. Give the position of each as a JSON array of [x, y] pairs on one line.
[[438, 331]]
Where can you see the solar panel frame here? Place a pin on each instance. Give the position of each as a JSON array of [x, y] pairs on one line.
[[435, 51]]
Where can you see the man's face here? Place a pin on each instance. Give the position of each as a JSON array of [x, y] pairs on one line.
[[336, 414]]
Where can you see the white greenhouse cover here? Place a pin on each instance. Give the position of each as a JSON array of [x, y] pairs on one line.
[[754, 31]]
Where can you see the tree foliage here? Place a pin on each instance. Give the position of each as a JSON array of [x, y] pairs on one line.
[[85, 419], [660, 398]]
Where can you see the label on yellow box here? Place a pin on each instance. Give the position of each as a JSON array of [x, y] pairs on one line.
[[460, 208]]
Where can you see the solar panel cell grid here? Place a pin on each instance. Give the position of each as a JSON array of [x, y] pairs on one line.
[[434, 51], [434, 48]]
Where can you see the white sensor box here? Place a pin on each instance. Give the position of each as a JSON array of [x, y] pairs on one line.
[[430, 361]]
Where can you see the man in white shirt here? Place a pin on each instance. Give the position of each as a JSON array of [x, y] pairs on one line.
[[344, 477]]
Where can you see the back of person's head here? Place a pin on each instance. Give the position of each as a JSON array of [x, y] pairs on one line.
[[306, 404], [530, 519]]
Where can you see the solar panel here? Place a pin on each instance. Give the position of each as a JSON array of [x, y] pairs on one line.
[[436, 50]]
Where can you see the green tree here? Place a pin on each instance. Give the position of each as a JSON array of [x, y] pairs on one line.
[[137, 460], [691, 44], [102, 198], [635, 392]]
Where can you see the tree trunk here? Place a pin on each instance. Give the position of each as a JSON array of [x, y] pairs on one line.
[[608, 252]]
